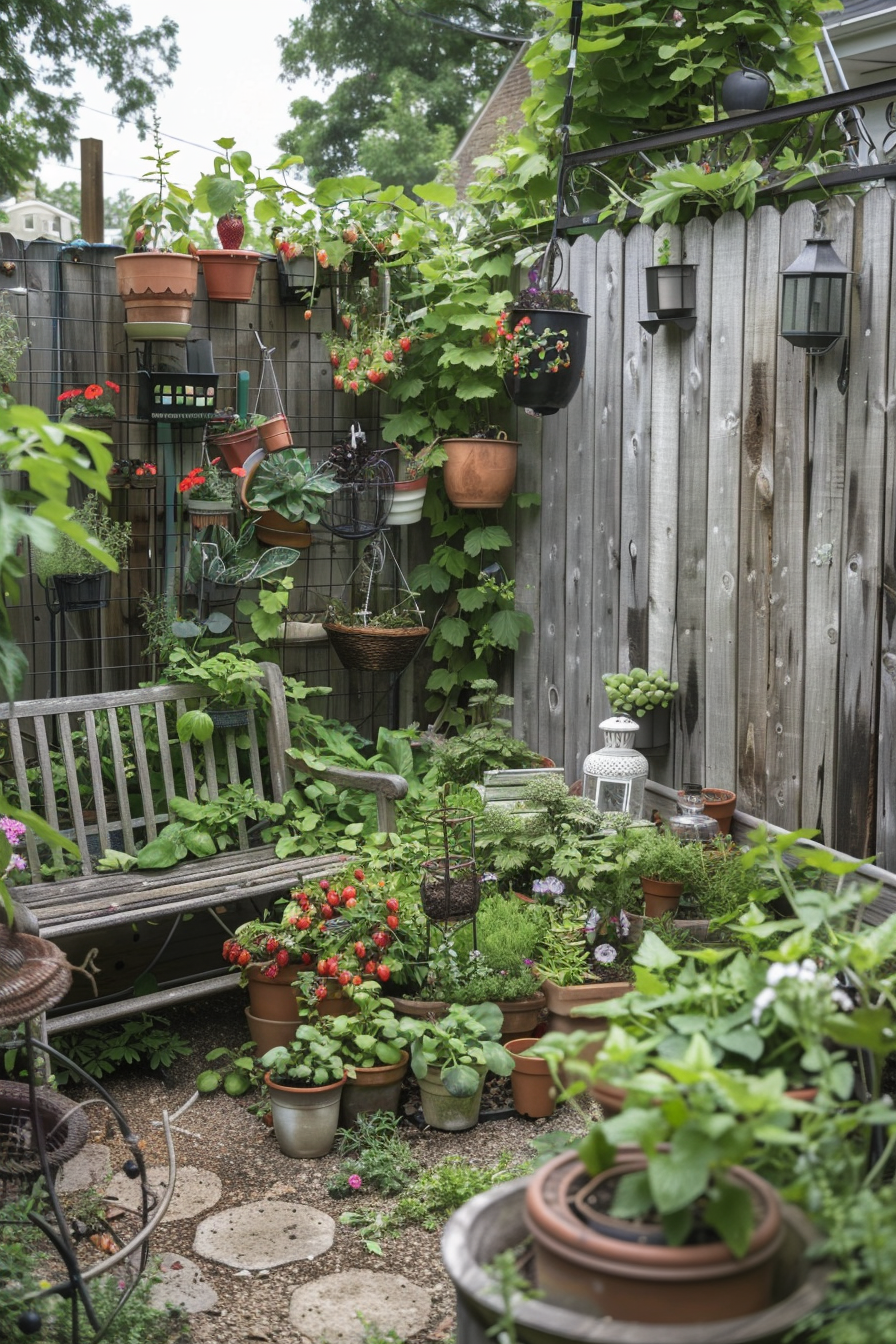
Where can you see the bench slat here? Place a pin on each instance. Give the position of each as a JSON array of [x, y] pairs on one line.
[[186, 755], [165, 752], [18, 761], [96, 776], [43, 756], [143, 773], [75, 804], [145, 1003], [233, 771], [121, 783], [255, 759]]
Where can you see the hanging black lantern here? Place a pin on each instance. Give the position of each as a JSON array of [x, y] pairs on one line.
[[671, 296], [746, 90], [813, 297]]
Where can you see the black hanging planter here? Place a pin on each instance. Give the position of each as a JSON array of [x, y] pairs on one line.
[[546, 393], [82, 592], [746, 90]]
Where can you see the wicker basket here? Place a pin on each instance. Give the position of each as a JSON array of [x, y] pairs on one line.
[[456, 898], [374, 649], [34, 976], [62, 1125]]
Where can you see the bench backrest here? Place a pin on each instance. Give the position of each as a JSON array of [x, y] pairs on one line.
[[507, 788], [104, 765]]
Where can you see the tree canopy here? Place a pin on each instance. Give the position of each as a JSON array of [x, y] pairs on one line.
[[39, 48], [407, 87]]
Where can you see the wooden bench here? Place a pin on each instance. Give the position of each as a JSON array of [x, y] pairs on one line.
[[61, 744]]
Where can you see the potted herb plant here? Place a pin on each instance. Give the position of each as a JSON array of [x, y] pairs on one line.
[[90, 406], [483, 742], [230, 270], [666, 866], [450, 1058], [372, 1040], [305, 1081], [235, 437], [228, 683], [209, 496], [645, 696], [290, 494], [80, 581], [542, 341], [158, 284]]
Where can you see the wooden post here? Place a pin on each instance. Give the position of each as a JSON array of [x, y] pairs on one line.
[[92, 222]]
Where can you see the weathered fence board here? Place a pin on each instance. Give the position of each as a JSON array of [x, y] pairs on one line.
[[637, 355]]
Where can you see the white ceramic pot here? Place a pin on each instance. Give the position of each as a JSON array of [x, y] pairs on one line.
[[407, 503]]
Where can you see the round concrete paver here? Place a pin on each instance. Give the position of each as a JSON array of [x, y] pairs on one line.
[[328, 1309], [182, 1285], [91, 1167], [194, 1191], [264, 1234]]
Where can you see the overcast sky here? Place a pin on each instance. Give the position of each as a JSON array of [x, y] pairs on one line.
[[227, 84]]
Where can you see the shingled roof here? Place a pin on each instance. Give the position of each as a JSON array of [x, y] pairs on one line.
[[504, 106]]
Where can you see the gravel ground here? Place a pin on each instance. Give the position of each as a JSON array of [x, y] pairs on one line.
[[219, 1134]]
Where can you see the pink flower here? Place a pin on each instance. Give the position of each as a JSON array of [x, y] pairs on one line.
[[355, 1181]]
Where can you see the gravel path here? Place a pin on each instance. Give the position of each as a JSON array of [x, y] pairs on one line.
[[219, 1135]]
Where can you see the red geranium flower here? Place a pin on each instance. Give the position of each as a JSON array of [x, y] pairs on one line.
[[114, 386], [92, 392], [64, 396]]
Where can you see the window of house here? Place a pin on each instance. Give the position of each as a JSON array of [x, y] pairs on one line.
[[29, 222], [57, 224]]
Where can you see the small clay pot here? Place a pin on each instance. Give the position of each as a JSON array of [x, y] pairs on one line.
[[534, 1090], [660, 898]]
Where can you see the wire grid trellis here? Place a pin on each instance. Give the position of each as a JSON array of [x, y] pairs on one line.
[[67, 303]]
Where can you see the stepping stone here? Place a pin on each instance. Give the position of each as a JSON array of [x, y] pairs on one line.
[[194, 1191], [327, 1309], [264, 1234], [182, 1286], [91, 1167]]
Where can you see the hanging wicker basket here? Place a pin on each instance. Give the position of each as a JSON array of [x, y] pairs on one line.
[[373, 649], [59, 1124], [34, 976]]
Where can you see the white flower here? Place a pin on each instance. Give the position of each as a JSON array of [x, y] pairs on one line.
[[842, 999], [781, 970], [605, 954], [808, 971], [764, 999]]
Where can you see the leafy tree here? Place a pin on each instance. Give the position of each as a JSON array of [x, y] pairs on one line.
[[407, 87], [39, 46]]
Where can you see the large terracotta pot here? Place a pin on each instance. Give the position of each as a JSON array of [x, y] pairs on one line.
[[373, 1089], [493, 1222], [720, 803], [273, 1000], [561, 999], [305, 1118], [479, 473], [419, 1008], [660, 898], [267, 1034], [599, 1271], [157, 286], [235, 448], [229, 273], [275, 530], [534, 1090], [520, 1016]]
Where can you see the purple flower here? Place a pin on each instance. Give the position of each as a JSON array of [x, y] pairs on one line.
[[13, 830], [625, 926], [605, 954], [489, 877], [527, 961], [355, 1181], [17, 861], [548, 886]]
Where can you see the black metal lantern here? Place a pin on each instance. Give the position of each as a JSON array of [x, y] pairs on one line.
[[813, 297], [746, 90], [671, 296]]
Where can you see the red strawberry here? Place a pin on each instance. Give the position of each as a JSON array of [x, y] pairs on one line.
[[338, 382], [326, 912], [324, 886], [392, 921], [381, 939], [139, 239], [353, 386], [322, 966], [383, 972], [308, 314], [292, 919], [370, 967], [345, 977], [392, 905], [303, 923], [348, 891], [405, 343], [334, 360], [360, 951], [271, 945], [332, 965], [230, 230], [367, 350], [346, 321], [358, 874], [323, 259], [306, 958], [357, 980], [244, 958], [373, 376], [352, 365], [333, 898], [235, 952], [388, 356], [225, 950], [350, 903], [282, 957], [321, 991], [271, 972]]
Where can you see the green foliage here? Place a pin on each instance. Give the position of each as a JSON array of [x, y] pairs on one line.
[[509, 936], [201, 829], [372, 1036], [373, 1152], [637, 692], [164, 213], [311, 1059], [222, 558], [147, 1039], [235, 1071], [288, 483], [859, 1304], [484, 742], [69, 556], [660, 855], [38, 110], [460, 1044], [402, 96], [12, 345]]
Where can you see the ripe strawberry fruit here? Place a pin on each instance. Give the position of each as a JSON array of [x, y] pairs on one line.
[[392, 905], [357, 980], [370, 967], [324, 886], [225, 950], [271, 945], [271, 972], [358, 874], [405, 343], [383, 972], [348, 891], [332, 965], [360, 951], [345, 977], [321, 991], [392, 921], [381, 939], [306, 958], [350, 903], [230, 230], [282, 957], [322, 966], [338, 382], [326, 912], [245, 957], [303, 923]]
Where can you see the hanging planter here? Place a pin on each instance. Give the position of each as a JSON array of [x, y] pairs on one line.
[[229, 273], [82, 592], [157, 289], [479, 473], [553, 344], [208, 513], [275, 434], [373, 649], [384, 642], [273, 430], [235, 445], [360, 506]]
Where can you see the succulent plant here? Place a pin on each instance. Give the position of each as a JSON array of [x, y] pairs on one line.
[[637, 692]]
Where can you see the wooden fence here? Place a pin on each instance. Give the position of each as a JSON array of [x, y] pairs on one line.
[[720, 503]]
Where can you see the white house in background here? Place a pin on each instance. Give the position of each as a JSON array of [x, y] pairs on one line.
[[860, 48], [30, 218]]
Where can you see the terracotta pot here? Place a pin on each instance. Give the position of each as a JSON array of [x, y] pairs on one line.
[[273, 1000], [275, 530], [407, 503], [229, 273], [479, 473], [720, 803], [493, 1222], [157, 286], [561, 999], [275, 434], [267, 1034], [520, 1016], [336, 1004], [443, 1111], [373, 1089], [660, 898], [534, 1090], [419, 1008], [696, 928], [235, 448], [305, 1118], [630, 1281]]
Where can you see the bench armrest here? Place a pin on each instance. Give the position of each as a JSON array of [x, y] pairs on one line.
[[388, 788]]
